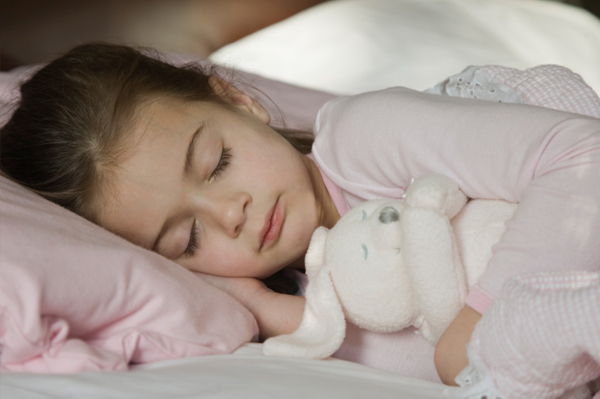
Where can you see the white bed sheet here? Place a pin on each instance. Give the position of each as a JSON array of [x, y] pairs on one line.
[[245, 374], [352, 46]]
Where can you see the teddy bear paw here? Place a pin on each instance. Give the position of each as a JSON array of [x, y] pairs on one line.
[[438, 192]]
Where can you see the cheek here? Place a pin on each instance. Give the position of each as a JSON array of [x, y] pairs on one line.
[[303, 224], [276, 161], [223, 259], [292, 170]]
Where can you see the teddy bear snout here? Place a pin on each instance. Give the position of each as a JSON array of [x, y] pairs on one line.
[[388, 215]]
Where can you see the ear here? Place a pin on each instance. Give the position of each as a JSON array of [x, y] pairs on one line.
[[239, 99], [315, 256], [323, 326]]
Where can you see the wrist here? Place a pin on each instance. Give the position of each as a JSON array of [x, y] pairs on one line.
[[258, 302], [451, 350], [276, 314]]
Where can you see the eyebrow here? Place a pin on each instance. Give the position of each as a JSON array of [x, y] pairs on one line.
[[189, 160], [189, 156]]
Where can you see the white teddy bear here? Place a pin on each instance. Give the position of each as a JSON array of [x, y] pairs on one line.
[[390, 264]]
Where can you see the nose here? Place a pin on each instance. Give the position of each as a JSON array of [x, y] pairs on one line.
[[230, 212], [389, 215]]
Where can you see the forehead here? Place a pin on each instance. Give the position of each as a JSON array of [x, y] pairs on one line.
[[135, 196], [158, 137]]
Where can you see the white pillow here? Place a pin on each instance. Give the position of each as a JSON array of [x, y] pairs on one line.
[[352, 46]]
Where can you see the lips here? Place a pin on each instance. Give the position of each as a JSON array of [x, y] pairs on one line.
[[270, 230]]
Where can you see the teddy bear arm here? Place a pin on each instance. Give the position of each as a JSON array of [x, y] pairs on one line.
[[432, 261], [438, 192]]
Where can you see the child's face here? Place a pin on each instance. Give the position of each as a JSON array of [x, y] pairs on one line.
[[214, 189]]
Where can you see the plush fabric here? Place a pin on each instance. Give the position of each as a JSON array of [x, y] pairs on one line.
[[391, 264], [75, 297]]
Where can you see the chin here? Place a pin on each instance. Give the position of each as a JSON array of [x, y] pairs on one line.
[[298, 261], [291, 263]]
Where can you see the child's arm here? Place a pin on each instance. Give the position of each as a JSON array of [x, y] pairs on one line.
[[373, 144], [451, 350], [275, 313]]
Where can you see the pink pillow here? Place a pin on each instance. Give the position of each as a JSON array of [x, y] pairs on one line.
[[74, 297]]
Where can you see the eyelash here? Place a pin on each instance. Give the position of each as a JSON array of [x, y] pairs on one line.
[[193, 243], [223, 162]]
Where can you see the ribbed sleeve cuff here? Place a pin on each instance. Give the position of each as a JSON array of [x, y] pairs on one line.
[[479, 299]]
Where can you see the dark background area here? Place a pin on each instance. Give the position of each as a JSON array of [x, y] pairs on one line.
[[33, 31], [591, 5]]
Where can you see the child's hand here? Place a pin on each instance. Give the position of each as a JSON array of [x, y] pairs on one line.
[[275, 313], [245, 289], [451, 350]]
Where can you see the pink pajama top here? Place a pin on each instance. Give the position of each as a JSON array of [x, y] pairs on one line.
[[371, 145]]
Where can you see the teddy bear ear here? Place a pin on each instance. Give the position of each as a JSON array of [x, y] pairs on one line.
[[315, 256], [323, 326]]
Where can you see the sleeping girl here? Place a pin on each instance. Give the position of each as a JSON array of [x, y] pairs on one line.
[[181, 162]]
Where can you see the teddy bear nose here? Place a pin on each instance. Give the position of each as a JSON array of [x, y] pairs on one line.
[[389, 214]]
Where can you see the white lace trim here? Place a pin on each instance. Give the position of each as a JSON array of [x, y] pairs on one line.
[[475, 83], [475, 381]]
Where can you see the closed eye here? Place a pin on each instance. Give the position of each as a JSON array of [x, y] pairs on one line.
[[223, 163], [193, 243]]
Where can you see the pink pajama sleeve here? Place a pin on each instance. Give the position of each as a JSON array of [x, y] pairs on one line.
[[371, 145], [538, 340]]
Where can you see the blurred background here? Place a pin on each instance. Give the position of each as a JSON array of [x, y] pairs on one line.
[[33, 31], [591, 5]]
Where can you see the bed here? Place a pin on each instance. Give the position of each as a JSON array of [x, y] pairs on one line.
[[67, 283]]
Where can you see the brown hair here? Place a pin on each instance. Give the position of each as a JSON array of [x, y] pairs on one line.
[[67, 133]]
